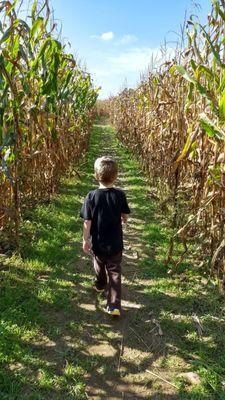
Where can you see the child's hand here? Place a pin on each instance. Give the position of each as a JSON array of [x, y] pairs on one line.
[[124, 218], [86, 246]]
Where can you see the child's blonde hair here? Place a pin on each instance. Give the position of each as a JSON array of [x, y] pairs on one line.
[[106, 169]]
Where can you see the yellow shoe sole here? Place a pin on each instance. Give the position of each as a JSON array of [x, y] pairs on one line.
[[114, 313]]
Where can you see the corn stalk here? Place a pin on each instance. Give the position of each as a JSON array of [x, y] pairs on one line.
[[174, 122], [46, 111]]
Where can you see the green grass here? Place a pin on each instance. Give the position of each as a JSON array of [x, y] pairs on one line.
[[46, 326]]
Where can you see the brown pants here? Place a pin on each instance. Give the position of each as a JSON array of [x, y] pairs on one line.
[[108, 271]]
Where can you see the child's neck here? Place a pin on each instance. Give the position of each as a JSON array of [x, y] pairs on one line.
[[102, 186]]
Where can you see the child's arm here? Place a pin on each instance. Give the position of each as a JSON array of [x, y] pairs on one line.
[[125, 209], [124, 218], [86, 236]]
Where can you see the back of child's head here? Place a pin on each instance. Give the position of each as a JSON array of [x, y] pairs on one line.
[[106, 170]]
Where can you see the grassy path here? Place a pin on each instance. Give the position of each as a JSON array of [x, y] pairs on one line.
[[55, 340]]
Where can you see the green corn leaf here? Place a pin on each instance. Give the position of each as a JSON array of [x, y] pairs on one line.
[[68, 78], [222, 106], [190, 139], [6, 35], [37, 26], [189, 96], [210, 128], [203, 90], [34, 10], [209, 74], [218, 9], [2, 110], [193, 64], [26, 87], [1, 28], [15, 47], [56, 45], [44, 46], [222, 83], [214, 51], [185, 74]]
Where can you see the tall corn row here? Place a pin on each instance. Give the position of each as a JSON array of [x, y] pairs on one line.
[[46, 104], [175, 123]]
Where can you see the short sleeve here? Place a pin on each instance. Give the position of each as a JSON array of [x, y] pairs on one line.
[[86, 209], [125, 208]]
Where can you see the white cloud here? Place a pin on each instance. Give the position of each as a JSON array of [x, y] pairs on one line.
[[114, 68], [130, 60], [138, 59], [135, 59], [127, 39], [107, 36]]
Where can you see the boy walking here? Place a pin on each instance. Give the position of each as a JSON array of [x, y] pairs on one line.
[[103, 211]]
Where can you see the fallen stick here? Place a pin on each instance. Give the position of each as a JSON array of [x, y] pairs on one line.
[[121, 353], [139, 337], [157, 324], [198, 325], [162, 379]]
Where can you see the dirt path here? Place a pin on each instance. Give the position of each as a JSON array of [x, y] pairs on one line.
[[133, 344]]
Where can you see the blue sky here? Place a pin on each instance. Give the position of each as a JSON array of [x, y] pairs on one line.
[[115, 38]]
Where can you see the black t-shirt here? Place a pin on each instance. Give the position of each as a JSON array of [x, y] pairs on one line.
[[104, 208]]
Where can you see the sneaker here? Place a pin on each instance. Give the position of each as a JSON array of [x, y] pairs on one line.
[[98, 290], [115, 312]]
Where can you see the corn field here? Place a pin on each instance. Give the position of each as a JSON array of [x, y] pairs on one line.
[[174, 122], [46, 103]]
